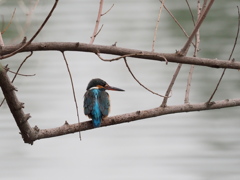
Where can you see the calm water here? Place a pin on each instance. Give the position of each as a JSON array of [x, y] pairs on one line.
[[188, 146]]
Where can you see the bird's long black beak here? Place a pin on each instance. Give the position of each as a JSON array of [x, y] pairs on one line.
[[107, 87]]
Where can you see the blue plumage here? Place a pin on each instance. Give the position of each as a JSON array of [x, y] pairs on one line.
[[96, 101], [96, 105]]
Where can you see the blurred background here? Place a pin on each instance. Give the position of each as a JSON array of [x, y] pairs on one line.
[[187, 146]]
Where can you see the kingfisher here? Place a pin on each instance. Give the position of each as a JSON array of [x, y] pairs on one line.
[[96, 100]]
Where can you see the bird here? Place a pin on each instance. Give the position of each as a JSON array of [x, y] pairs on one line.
[[96, 100]]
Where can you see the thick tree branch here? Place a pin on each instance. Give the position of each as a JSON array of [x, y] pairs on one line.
[[138, 115], [174, 58], [16, 107]]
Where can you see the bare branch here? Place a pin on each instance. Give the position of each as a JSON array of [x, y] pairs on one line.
[[17, 72], [156, 27], [34, 36], [124, 52], [134, 116], [32, 134], [230, 57], [197, 36], [73, 90], [190, 10], [204, 5], [169, 12], [185, 48], [197, 42], [117, 58], [10, 22], [189, 80], [20, 74], [169, 90], [29, 13], [124, 56], [1, 40], [95, 32], [15, 106], [99, 31], [107, 10], [125, 60]]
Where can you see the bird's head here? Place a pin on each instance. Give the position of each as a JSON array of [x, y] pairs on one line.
[[101, 84]]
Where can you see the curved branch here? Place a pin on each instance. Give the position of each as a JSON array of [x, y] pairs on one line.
[[134, 77], [107, 10], [113, 50]]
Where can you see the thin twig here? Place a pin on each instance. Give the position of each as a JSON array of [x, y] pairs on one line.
[[107, 10], [204, 6], [10, 22], [186, 47], [189, 80], [17, 72], [190, 10], [156, 27], [169, 12], [29, 14], [21, 66], [197, 41], [129, 55], [230, 57], [73, 90], [1, 40], [1, 44], [197, 37], [34, 36], [97, 22], [20, 74], [169, 90], [117, 58], [99, 31], [125, 60]]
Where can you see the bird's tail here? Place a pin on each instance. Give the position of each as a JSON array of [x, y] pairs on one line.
[[96, 115], [96, 122]]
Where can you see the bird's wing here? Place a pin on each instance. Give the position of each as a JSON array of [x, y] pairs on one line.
[[88, 102], [104, 103]]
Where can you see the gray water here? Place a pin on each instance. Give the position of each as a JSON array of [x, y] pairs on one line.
[[187, 146]]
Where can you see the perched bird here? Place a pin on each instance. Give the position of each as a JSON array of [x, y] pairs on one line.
[[96, 100]]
